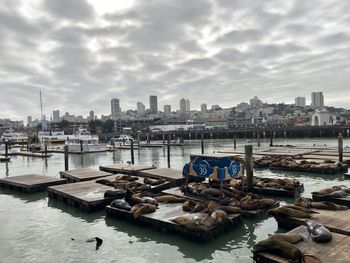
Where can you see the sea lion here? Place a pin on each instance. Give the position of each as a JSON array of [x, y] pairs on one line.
[[208, 221], [188, 205], [290, 238], [279, 247], [105, 182], [303, 202], [131, 198], [318, 232], [324, 191], [300, 208], [123, 177], [211, 192], [229, 209], [149, 200], [189, 223], [337, 194], [151, 181], [219, 216], [199, 207], [121, 204], [117, 193], [142, 188], [325, 205], [169, 199], [285, 211], [144, 209]]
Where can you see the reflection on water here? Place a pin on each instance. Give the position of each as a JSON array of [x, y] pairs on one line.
[[39, 230]]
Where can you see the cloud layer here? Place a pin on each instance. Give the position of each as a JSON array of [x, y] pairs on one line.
[[217, 52]]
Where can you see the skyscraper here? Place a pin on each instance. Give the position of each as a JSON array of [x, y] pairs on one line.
[[300, 101], [92, 115], [141, 109], [183, 106], [188, 107], [153, 104], [29, 120], [204, 108], [317, 100], [167, 109], [56, 116], [115, 108]]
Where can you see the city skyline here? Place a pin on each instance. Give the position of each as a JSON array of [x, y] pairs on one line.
[[83, 58]]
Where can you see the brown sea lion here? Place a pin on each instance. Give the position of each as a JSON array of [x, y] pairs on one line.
[[105, 182], [325, 205], [285, 211], [199, 207], [169, 199], [131, 198], [272, 185], [290, 238], [208, 221], [219, 216], [229, 209], [324, 191], [141, 188], [303, 202], [300, 208], [189, 223], [144, 209], [278, 247], [211, 192], [188, 205]]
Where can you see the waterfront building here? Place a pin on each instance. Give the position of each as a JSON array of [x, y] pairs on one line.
[[317, 99], [141, 109], [56, 116], [321, 117], [153, 104], [204, 108], [167, 109], [115, 108], [300, 101]]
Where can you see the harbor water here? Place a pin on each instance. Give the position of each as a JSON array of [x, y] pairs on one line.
[[34, 228]]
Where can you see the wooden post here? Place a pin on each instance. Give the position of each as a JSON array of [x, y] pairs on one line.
[[163, 138], [148, 139], [202, 142], [113, 145], [168, 151], [258, 139], [45, 148], [81, 146], [340, 147], [132, 151], [249, 166], [234, 144], [66, 158], [271, 138], [6, 149]]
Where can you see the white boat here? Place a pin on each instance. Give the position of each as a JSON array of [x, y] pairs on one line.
[[14, 137], [52, 136], [83, 141], [123, 139]]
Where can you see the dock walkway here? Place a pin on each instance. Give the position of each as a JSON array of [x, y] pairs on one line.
[[83, 174]]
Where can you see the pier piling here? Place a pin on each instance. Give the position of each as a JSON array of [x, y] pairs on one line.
[[340, 147], [132, 151], [66, 168], [202, 142], [45, 149], [168, 151], [81, 145], [6, 149], [234, 144], [271, 138], [258, 139], [249, 166]]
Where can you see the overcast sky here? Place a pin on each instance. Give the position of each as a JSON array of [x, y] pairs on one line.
[[82, 53]]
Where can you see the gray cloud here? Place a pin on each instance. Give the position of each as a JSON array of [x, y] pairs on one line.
[[220, 52]]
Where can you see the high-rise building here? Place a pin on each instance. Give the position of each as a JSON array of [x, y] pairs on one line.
[[92, 115], [317, 100], [215, 107], [115, 108], [56, 116], [204, 108], [188, 107], [167, 109], [300, 101], [29, 120], [183, 106], [153, 104], [255, 103], [141, 109]]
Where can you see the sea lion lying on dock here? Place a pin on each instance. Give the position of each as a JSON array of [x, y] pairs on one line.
[[219, 216], [117, 193], [105, 182], [324, 205], [121, 204], [169, 199], [287, 211], [192, 223], [337, 194], [141, 209], [318, 232], [153, 182], [133, 199], [126, 177], [290, 238]]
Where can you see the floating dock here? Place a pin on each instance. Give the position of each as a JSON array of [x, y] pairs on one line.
[[337, 200], [161, 220], [336, 251], [30, 154], [30, 183], [125, 168], [173, 175], [335, 220], [84, 174], [266, 191]]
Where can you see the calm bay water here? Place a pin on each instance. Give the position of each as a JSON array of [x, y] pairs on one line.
[[36, 229]]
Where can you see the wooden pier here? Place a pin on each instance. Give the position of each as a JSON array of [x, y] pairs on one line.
[[125, 168], [30, 154], [161, 220], [336, 251], [31, 182], [170, 174], [335, 220], [337, 200], [84, 174]]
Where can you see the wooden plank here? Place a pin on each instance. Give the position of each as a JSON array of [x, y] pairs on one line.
[[161, 220], [336, 221], [338, 200], [336, 251], [125, 168], [84, 174], [30, 182], [170, 174]]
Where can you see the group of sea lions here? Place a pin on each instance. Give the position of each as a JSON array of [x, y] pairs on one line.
[[334, 191], [260, 182], [285, 245]]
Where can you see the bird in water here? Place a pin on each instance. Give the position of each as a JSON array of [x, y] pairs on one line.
[[98, 240]]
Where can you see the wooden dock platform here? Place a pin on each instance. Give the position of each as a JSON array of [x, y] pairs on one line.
[[336, 221], [31, 182], [125, 168], [336, 251], [337, 200], [84, 174], [279, 192], [161, 220], [30, 154], [169, 174]]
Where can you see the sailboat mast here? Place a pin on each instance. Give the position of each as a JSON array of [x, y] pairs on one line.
[[41, 111]]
